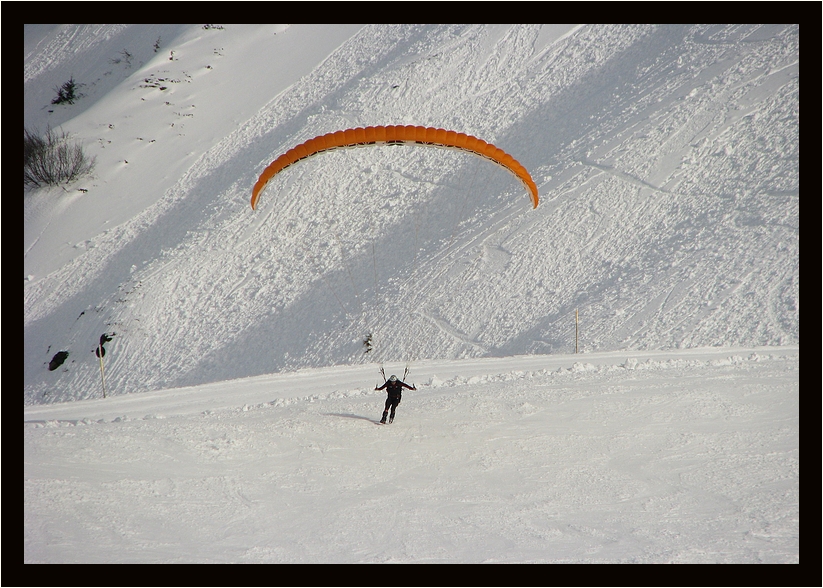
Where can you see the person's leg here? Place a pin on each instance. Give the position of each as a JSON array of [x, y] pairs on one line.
[[394, 404], [386, 410]]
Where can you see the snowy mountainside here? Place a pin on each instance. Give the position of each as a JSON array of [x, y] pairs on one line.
[[667, 159]]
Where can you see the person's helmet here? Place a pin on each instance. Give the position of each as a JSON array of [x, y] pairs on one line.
[[392, 378]]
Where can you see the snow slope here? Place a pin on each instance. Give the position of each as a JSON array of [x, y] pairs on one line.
[[666, 158], [650, 458], [237, 423]]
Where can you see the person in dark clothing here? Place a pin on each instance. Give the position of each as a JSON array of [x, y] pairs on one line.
[[394, 388]]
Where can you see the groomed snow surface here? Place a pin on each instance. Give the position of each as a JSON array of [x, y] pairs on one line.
[[686, 458], [239, 419]]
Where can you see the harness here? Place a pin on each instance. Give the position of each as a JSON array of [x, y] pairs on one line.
[[394, 389]]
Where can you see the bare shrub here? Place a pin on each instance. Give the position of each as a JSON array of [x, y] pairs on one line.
[[52, 159]]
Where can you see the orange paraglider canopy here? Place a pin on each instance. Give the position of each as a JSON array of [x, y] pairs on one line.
[[380, 135]]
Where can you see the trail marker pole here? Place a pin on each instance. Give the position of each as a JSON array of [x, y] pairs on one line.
[[576, 329], [102, 372]]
